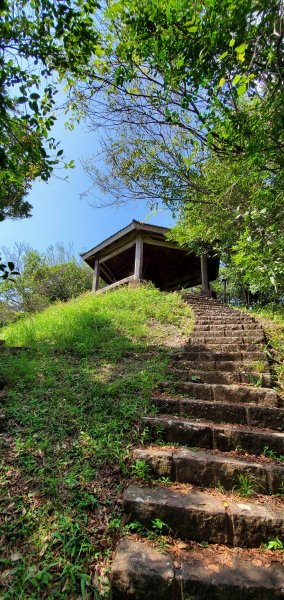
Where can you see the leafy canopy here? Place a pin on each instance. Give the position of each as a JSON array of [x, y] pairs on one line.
[[42, 43]]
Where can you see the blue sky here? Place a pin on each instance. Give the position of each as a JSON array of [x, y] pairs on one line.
[[59, 215]]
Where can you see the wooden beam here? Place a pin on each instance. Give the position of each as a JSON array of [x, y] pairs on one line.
[[117, 251], [138, 258], [105, 272], [96, 276], [165, 244], [115, 284], [204, 272]]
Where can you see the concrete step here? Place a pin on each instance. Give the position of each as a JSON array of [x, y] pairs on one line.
[[218, 376], [225, 365], [224, 329], [206, 434], [200, 468], [200, 516], [142, 572], [205, 354], [244, 337], [251, 415], [224, 393], [215, 346], [202, 318]]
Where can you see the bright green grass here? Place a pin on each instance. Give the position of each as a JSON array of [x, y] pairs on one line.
[[73, 417], [91, 322], [272, 319]]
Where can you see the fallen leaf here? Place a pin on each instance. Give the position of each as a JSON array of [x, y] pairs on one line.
[[182, 546], [15, 556]]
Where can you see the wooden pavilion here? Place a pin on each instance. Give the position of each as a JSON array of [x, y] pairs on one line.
[[141, 252]]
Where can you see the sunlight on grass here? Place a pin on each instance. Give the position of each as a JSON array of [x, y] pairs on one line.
[[82, 323], [272, 320]]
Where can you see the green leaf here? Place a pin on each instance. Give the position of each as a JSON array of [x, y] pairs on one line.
[[241, 57], [221, 82], [223, 55], [242, 89], [241, 48], [236, 79], [193, 29], [232, 43]]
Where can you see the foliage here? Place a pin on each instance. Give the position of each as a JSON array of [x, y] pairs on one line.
[[72, 418], [141, 469], [194, 62], [42, 42], [7, 270], [243, 222], [212, 69], [41, 283], [246, 484], [275, 545], [271, 454], [272, 320], [195, 92]]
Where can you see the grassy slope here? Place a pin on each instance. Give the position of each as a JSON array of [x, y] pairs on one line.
[[73, 417], [272, 320]]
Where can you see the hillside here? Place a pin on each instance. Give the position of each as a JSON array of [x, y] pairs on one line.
[[72, 404]]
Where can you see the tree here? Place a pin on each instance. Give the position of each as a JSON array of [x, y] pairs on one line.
[[243, 222], [196, 93], [192, 65], [42, 43], [44, 279]]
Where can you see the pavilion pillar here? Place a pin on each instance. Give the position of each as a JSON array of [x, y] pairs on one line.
[[138, 266], [96, 275], [204, 272]]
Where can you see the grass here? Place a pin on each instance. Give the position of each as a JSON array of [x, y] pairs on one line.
[[74, 401], [272, 321]]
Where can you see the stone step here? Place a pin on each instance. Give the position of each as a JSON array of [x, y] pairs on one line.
[[227, 318], [200, 516], [202, 316], [229, 355], [206, 434], [201, 298], [218, 376], [225, 365], [218, 412], [142, 572], [224, 329], [215, 346], [236, 338], [200, 468], [228, 346], [224, 393]]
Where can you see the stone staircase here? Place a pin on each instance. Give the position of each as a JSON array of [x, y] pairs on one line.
[[215, 417]]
